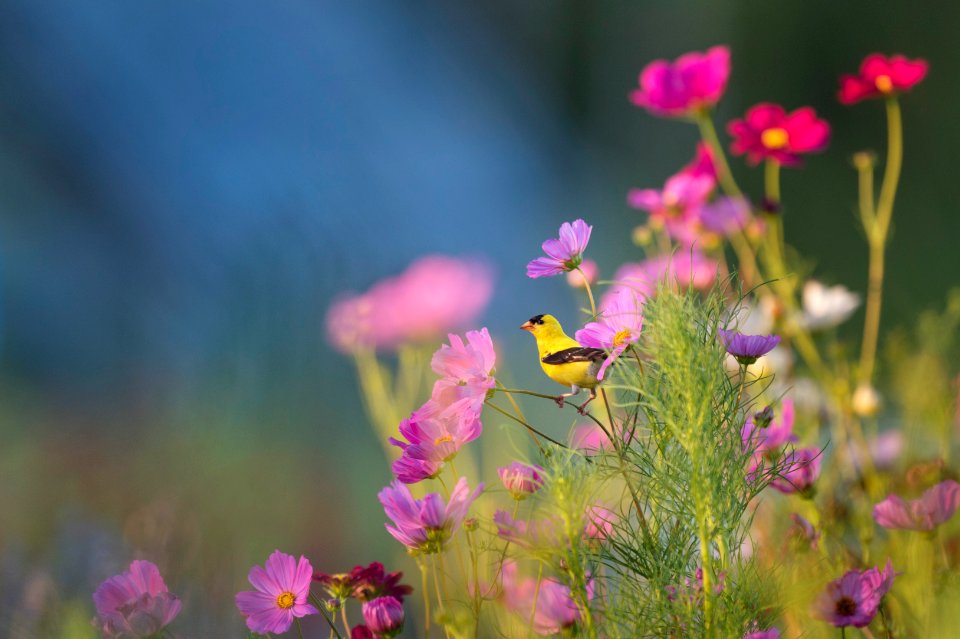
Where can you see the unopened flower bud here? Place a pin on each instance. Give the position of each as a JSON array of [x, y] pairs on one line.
[[642, 236], [764, 417], [521, 479], [384, 616], [866, 400], [333, 604], [864, 160], [471, 524]]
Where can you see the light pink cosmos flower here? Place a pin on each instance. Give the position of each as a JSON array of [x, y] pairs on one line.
[[564, 254], [685, 269], [768, 131], [677, 207], [552, 605], [881, 77], [425, 525], [436, 294], [934, 507], [802, 467], [725, 216], [695, 81], [282, 588], [521, 479], [600, 521], [702, 163], [135, 603], [619, 323], [853, 600]]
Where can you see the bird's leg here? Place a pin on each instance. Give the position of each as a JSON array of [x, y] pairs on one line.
[[582, 407], [574, 390]]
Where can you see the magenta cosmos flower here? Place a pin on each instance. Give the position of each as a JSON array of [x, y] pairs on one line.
[[934, 507], [767, 131], [521, 479], [801, 469], [563, 254], [384, 616], [552, 606], [881, 77], [425, 525], [853, 599], [772, 633], [693, 82], [619, 323], [747, 349], [436, 294], [282, 587], [364, 583], [135, 603], [676, 208]]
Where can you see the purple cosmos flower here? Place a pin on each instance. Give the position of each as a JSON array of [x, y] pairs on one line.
[[384, 616], [747, 349], [620, 321], [521, 479], [802, 467], [431, 441], [425, 525], [934, 507], [853, 599], [775, 434], [552, 606], [135, 603], [282, 587], [692, 82], [564, 254], [725, 216]]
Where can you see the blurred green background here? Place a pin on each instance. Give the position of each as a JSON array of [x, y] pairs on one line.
[[185, 187]]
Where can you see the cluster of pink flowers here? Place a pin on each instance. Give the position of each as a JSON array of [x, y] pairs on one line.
[[436, 294], [135, 603], [934, 507]]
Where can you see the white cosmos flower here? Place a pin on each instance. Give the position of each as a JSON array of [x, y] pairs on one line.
[[824, 307]]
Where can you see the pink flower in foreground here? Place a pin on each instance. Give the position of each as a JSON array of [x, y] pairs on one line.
[[564, 254], [802, 467], [384, 616], [521, 479], [880, 77], [282, 587], [436, 294], [552, 605], [135, 603], [430, 441], [425, 525], [767, 131], [619, 325], [693, 82], [853, 600], [747, 349], [933, 508]]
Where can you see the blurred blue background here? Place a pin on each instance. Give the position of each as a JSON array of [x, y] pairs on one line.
[[185, 186]]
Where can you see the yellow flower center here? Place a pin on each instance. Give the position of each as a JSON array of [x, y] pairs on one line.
[[443, 439], [775, 138], [621, 337], [285, 600], [884, 83]]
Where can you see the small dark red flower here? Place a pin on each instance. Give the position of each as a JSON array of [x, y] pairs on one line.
[[881, 76], [768, 131], [364, 583]]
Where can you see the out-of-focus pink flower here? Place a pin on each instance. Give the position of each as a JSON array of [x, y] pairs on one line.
[[772, 633], [600, 521], [801, 469], [361, 632], [747, 349], [282, 587], [881, 77], [725, 215], [934, 507], [425, 525], [619, 323], [702, 163], [777, 432], [853, 600], [521, 479], [436, 294], [586, 275], [552, 605], [135, 603], [464, 361], [693, 82], [384, 616], [677, 207], [589, 438], [563, 254], [685, 269], [538, 533], [884, 450], [767, 131]]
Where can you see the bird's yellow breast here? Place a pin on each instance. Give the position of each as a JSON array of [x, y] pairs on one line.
[[582, 374]]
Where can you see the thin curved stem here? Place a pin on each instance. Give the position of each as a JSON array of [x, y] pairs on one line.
[[523, 423], [586, 285]]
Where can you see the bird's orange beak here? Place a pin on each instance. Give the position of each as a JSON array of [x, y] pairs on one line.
[[527, 326]]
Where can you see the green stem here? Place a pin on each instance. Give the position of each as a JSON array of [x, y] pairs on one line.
[[524, 423], [426, 597], [321, 608], [771, 180], [520, 414], [709, 134], [343, 616], [536, 596], [299, 629], [586, 285]]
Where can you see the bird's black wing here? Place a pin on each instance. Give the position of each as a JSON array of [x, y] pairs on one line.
[[575, 354]]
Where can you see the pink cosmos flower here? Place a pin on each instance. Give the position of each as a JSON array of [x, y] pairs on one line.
[[564, 254], [688, 268], [880, 77], [694, 82], [555, 609], [537, 533], [600, 521], [135, 603], [521, 479], [589, 438], [433, 436], [436, 294], [725, 215], [384, 616], [767, 131], [364, 583], [282, 587], [773, 435], [619, 323], [425, 525], [933, 508], [747, 349], [772, 633], [800, 471], [677, 207], [466, 376], [853, 600], [702, 163], [586, 275]]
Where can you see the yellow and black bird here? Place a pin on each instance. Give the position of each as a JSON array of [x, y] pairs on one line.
[[564, 360]]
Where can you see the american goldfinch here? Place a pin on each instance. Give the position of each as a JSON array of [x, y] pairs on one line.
[[564, 360]]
